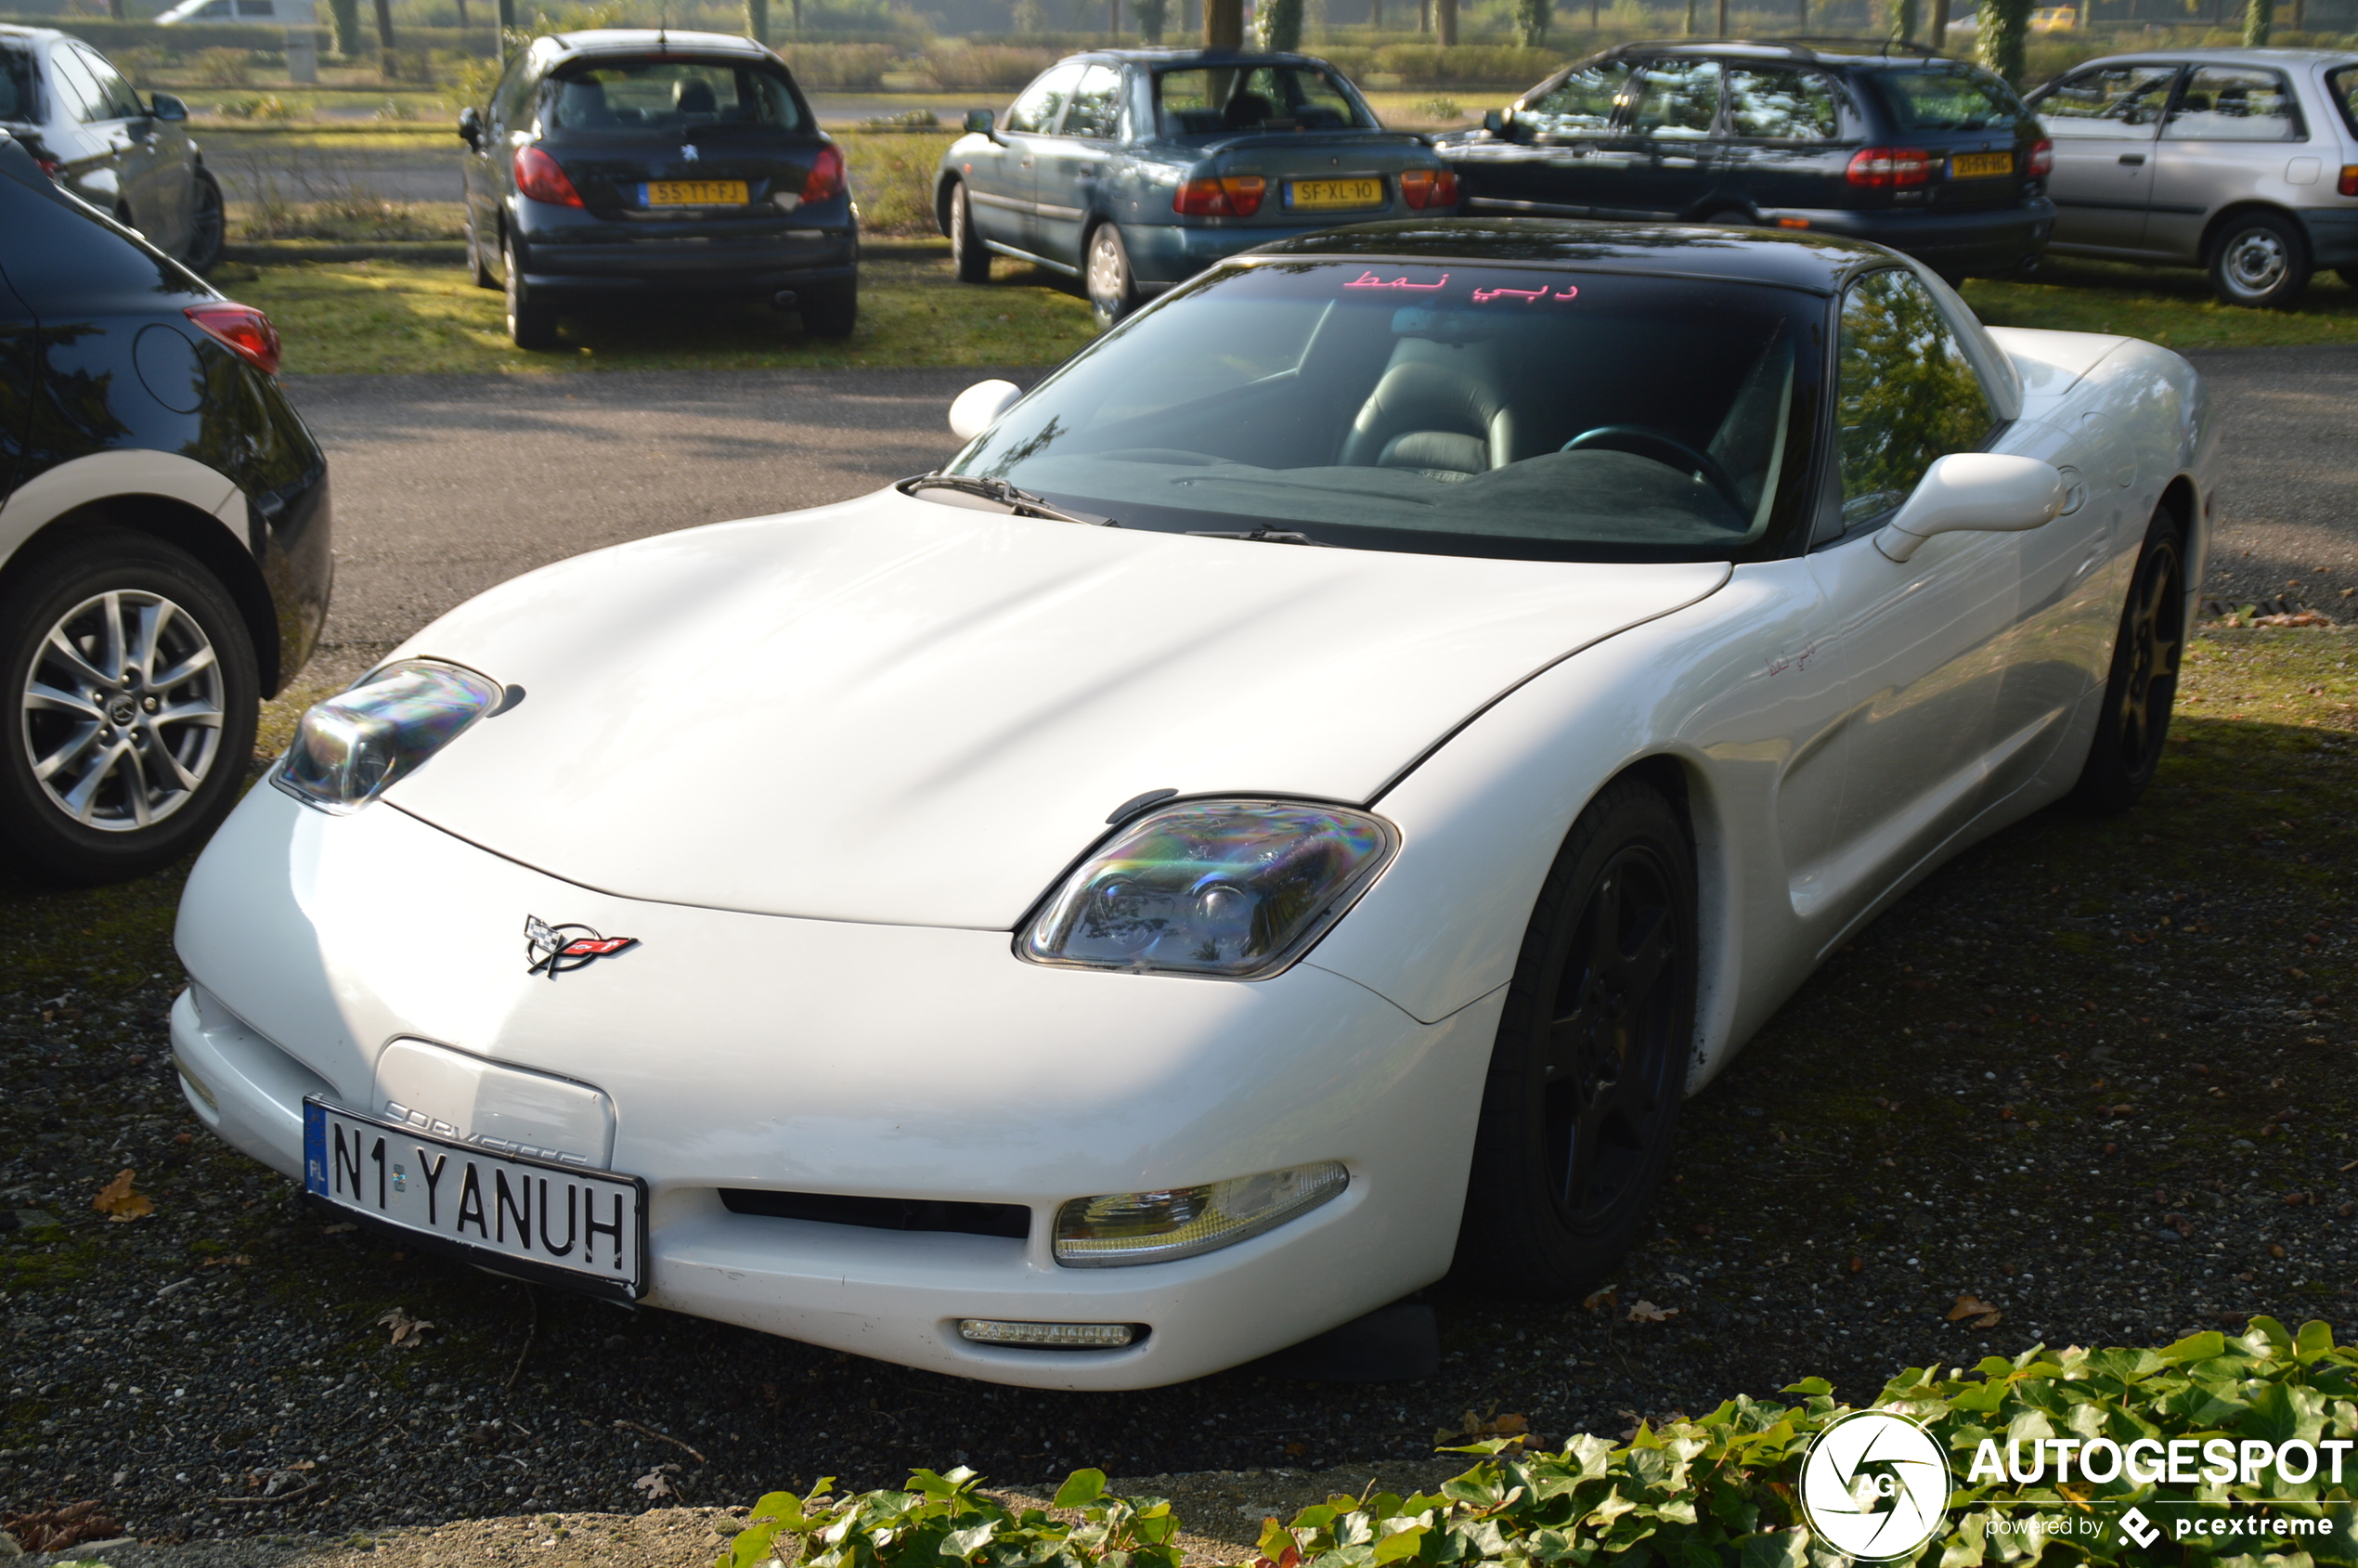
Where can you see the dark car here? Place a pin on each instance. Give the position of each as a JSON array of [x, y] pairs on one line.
[[1136, 169], [627, 165], [1928, 155], [164, 557], [90, 130]]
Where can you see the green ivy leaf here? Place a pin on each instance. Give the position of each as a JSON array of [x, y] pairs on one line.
[[1082, 1488]]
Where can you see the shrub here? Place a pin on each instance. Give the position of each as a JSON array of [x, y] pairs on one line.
[[859, 67], [225, 68], [1700, 1494], [985, 66], [1433, 65], [892, 174]]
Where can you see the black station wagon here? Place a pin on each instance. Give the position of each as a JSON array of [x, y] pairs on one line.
[[1928, 155]]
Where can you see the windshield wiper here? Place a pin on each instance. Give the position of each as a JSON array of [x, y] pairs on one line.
[[1023, 504], [1261, 536]]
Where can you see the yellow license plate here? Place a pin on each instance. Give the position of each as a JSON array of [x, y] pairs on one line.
[[696, 193], [1314, 194], [1974, 165]]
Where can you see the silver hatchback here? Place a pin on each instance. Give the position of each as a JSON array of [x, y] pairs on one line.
[[2244, 162]]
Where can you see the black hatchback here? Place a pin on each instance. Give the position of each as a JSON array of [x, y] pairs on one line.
[[1928, 155], [635, 164]]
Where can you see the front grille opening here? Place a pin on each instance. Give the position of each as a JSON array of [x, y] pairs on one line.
[[1010, 1220]]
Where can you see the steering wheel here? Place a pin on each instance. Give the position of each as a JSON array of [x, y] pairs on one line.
[[1702, 464]]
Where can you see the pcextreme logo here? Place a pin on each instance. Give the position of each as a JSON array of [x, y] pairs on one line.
[[1874, 1486]]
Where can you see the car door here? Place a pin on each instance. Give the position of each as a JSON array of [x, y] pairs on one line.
[[1925, 641], [1069, 164], [19, 365], [146, 185], [1003, 184], [2223, 137], [2103, 120], [86, 137], [479, 168], [1551, 158], [1669, 138], [1781, 126]]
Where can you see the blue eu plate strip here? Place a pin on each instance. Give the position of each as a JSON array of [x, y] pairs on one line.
[[315, 1150]]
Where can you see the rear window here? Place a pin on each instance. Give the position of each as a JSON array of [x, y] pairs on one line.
[[1952, 97], [16, 85], [1266, 98], [669, 95], [2342, 85]]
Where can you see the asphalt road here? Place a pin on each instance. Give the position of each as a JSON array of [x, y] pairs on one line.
[[448, 485]]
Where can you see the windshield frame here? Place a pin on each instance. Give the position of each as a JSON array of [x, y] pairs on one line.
[[1802, 466]]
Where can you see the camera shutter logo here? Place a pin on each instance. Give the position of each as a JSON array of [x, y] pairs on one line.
[[1874, 1486]]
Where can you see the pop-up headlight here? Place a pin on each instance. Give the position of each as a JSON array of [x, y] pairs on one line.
[[1231, 889], [350, 747]]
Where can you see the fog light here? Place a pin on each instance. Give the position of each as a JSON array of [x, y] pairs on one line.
[[1052, 1335], [1153, 1227]]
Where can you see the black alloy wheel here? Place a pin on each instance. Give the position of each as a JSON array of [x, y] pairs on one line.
[[1113, 289], [208, 224], [2142, 686], [968, 253], [830, 310], [2259, 260], [133, 696], [532, 322], [1590, 1062]]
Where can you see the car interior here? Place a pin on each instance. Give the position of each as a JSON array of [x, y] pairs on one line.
[[668, 94], [1209, 102]]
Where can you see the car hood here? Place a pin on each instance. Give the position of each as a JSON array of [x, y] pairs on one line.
[[899, 711]]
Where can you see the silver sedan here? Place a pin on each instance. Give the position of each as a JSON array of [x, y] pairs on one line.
[[2244, 162]]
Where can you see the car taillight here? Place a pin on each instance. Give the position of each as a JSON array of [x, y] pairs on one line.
[[542, 178], [2349, 186], [2043, 159], [1428, 188], [242, 329], [827, 174], [1879, 168], [1228, 196]]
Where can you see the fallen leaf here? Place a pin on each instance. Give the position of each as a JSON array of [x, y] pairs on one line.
[[1857, 1262], [1984, 1315], [339, 1228], [406, 1330], [1609, 1296], [1646, 1312], [2275, 1249], [54, 1529], [654, 1484], [118, 1202]]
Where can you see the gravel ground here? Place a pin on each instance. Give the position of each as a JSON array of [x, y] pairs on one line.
[[2094, 1075], [2286, 470]]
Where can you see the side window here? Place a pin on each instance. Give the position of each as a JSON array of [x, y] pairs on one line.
[[2342, 85], [2103, 98], [1037, 108], [78, 96], [16, 85], [1680, 100], [1774, 103], [512, 103], [1318, 103], [2235, 103], [1906, 395], [1580, 105], [121, 98], [1096, 110]]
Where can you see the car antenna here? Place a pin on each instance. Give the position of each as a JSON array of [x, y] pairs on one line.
[[663, 28]]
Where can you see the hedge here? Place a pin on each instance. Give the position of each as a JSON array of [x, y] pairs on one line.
[[1718, 1492]]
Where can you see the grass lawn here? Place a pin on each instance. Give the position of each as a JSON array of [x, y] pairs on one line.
[[2165, 304]]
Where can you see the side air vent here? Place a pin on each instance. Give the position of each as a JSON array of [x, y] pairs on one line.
[[1011, 1219]]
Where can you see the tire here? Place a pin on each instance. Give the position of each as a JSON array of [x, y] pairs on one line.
[[1113, 289], [1732, 218], [968, 253], [108, 772], [830, 310], [1589, 1064], [532, 321], [209, 223], [2260, 261], [477, 263], [2144, 683], [2349, 276]]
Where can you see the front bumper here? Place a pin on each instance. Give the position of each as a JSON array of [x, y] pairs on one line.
[[745, 1051], [2333, 235], [1994, 240]]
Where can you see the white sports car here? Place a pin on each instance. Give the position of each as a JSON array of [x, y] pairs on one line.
[[1292, 808]]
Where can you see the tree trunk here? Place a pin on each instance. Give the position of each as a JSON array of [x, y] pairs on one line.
[[758, 20], [345, 14], [1940, 25], [462, 15], [390, 66], [507, 21], [2260, 17], [1113, 18], [1278, 23], [1904, 20], [1999, 36], [1445, 21], [1723, 18], [116, 11], [1223, 24]]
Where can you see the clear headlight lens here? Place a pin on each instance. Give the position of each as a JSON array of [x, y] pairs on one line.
[[350, 747], [1154, 1227], [1236, 888]]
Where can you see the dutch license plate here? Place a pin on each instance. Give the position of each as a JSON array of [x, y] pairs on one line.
[[1972, 165], [694, 193], [1312, 195], [559, 1222]]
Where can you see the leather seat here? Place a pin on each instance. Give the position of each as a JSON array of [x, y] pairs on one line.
[[695, 97], [1433, 419]]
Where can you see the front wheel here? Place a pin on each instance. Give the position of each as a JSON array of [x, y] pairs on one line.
[[969, 255], [1590, 1061], [532, 321], [207, 224], [1113, 289], [2143, 685], [134, 693], [2261, 260]]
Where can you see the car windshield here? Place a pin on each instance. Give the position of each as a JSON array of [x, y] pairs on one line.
[[1266, 98], [1437, 408], [2342, 85], [16, 87], [673, 94], [1949, 98]]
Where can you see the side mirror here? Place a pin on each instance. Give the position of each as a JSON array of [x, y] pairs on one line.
[[978, 408], [471, 128], [981, 121], [1975, 492], [166, 107], [1494, 120]]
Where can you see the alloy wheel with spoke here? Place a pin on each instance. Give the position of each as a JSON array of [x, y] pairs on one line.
[[122, 711]]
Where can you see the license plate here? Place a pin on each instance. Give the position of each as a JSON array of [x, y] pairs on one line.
[[1972, 165], [559, 1224], [1312, 195], [693, 193]]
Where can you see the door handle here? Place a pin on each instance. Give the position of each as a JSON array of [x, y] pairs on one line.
[[2132, 159], [1025, 164]]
